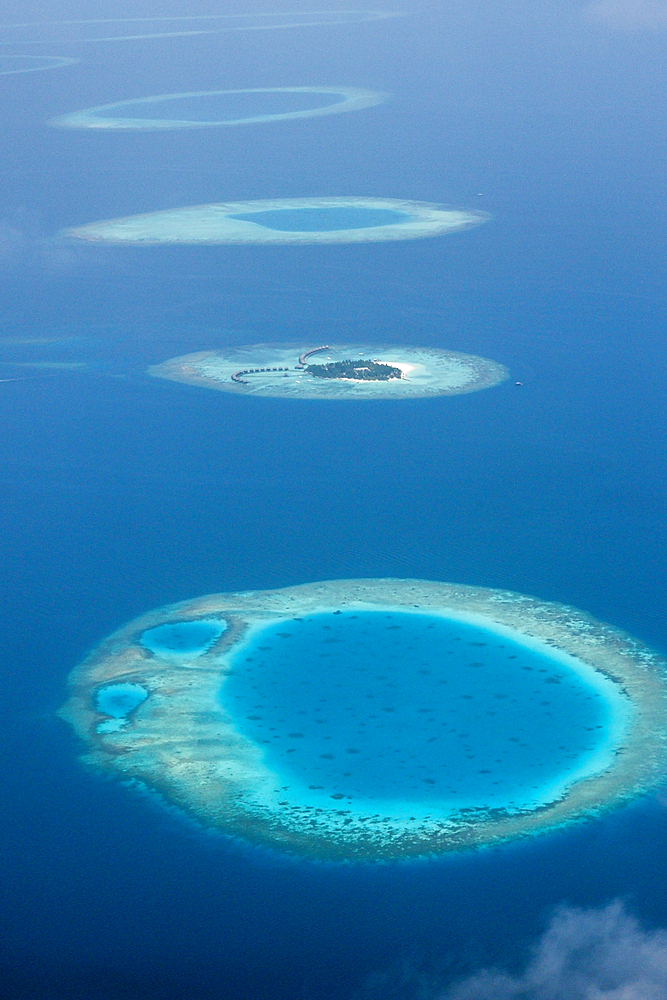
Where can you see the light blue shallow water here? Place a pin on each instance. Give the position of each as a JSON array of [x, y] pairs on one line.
[[412, 708], [183, 638], [318, 220], [118, 700], [220, 107]]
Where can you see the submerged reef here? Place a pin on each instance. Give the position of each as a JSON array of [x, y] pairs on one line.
[[374, 720], [10, 64], [124, 29], [284, 220], [217, 108], [382, 372]]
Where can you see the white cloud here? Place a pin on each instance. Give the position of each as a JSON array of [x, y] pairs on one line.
[[628, 14], [584, 955]]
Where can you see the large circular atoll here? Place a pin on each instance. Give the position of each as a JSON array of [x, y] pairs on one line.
[[129, 29], [218, 108], [284, 220], [11, 64], [375, 719], [341, 371]]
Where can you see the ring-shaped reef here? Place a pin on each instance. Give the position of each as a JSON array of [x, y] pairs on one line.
[[284, 221], [11, 64], [178, 26], [375, 719], [218, 108], [342, 371]]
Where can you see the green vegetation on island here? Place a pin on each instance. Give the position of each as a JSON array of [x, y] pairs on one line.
[[367, 371]]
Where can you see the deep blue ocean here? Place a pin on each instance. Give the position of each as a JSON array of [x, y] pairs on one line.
[[121, 493]]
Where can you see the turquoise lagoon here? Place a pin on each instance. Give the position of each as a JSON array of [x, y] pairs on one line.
[[183, 639], [415, 713], [317, 220], [118, 701]]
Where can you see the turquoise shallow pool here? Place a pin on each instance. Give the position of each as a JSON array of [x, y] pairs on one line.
[[219, 107], [118, 701], [319, 220], [183, 638], [427, 711]]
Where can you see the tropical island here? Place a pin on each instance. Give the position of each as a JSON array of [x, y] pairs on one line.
[[341, 371], [441, 717], [366, 371]]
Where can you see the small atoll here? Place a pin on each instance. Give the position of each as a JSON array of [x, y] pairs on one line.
[[382, 372], [280, 221], [220, 108], [375, 719]]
